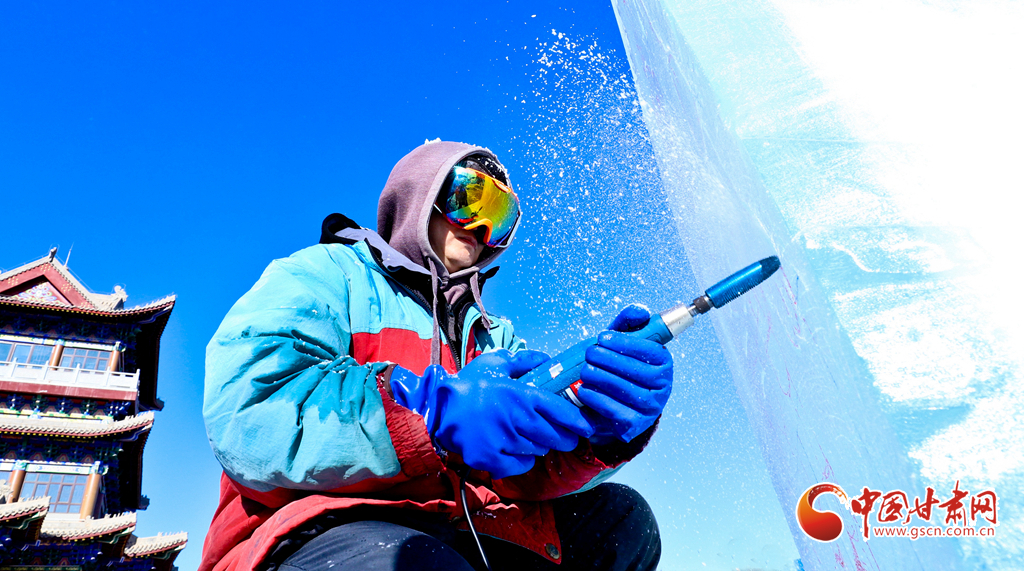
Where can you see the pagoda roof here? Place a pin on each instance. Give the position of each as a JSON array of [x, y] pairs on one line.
[[41, 526], [157, 306], [155, 545], [47, 283], [47, 287], [87, 529], [63, 428], [19, 512]]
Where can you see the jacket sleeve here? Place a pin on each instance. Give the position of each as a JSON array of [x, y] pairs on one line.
[[285, 405], [562, 473]]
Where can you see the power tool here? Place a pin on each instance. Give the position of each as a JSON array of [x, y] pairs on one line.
[[562, 373]]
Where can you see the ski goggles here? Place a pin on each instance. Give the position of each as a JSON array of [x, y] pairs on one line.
[[477, 200]]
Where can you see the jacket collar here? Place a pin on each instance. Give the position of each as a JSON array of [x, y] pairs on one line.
[[340, 229]]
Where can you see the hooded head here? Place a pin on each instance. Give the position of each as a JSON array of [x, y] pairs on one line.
[[407, 201]]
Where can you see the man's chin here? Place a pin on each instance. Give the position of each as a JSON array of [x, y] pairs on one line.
[[461, 263]]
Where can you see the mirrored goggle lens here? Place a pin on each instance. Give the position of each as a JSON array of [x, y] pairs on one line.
[[476, 200]]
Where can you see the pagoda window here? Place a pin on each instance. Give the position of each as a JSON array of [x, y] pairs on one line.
[[85, 359], [25, 353], [66, 491]]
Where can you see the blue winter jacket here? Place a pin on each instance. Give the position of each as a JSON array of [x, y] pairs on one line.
[[299, 415], [292, 398], [297, 402]]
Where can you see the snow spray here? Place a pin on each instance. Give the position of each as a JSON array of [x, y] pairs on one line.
[[562, 373]]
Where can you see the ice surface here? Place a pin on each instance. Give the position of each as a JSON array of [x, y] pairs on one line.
[[597, 234], [870, 146]]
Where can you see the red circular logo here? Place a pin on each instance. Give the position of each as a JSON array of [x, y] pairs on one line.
[[823, 526]]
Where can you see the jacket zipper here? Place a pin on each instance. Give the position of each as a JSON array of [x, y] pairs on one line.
[[448, 324]]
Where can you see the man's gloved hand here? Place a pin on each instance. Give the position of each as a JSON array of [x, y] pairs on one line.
[[627, 380], [483, 414]]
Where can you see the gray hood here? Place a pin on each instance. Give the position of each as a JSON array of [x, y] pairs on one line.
[[403, 213], [403, 219]]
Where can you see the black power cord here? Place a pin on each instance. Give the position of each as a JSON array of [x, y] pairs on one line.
[[469, 520]]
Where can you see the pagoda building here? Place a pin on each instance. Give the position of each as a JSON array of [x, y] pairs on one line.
[[78, 374]]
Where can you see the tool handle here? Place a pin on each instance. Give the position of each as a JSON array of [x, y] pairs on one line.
[[562, 371]]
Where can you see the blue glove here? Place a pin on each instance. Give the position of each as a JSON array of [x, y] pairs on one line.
[[627, 380], [494, 422]]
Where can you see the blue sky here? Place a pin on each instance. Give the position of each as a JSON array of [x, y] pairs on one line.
[[179, 147]]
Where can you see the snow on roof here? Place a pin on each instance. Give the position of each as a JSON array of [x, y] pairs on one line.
[[140, 309], [76, 530], [17, 510], [145, 546], [73, 428]]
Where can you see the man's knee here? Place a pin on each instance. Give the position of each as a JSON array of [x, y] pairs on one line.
[[610, 518], [626, 500], [375, 545], [616, 504], [632, 512]]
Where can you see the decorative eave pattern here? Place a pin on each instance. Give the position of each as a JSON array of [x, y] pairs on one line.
[[83, 301], [78, 530], [157, 306], [53, 271], [51, 268], [73, 428], [24, 268], [99, 300], [27, 509], [149, 546]]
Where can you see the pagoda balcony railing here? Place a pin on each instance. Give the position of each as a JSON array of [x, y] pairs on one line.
[[69, 377]]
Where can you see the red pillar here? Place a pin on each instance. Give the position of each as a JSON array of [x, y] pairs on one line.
[[18, 479], [92, 492], [58, 352]]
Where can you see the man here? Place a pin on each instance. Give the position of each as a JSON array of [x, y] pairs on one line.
[[366, 411]]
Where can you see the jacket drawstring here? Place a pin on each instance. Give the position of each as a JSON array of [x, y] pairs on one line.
[[435, 340], [474, 286]]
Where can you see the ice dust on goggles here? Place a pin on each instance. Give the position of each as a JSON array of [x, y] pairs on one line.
[[477, 200]]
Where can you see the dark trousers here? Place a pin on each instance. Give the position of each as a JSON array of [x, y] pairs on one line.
[[610, 527]]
